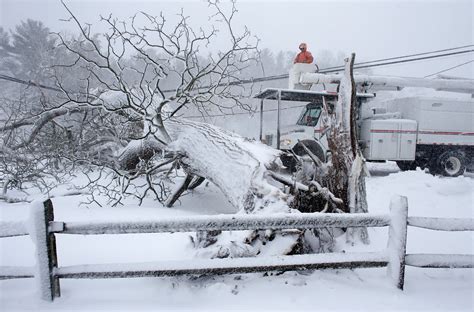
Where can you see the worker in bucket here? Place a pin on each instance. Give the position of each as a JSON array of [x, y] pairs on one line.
[[304, 56]]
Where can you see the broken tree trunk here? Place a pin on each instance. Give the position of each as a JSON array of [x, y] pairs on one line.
[[237, 166], [243, 171], [346, 175], [179, 191]]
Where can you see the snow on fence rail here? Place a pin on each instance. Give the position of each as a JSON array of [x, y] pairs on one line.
[[44, 228], [10, 229], [442, 224], [280, 221]]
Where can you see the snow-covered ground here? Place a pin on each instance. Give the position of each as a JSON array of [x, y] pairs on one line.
[[361, 289]]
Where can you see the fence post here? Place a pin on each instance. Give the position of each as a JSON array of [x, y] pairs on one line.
[[46, 256], [397, 240], [52, 251]]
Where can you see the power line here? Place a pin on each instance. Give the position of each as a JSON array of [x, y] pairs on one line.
[[415, 59], [448, 69], [409, 55], [284, 76], [332, 70], [388, 63], [367, 64], [29, 83]]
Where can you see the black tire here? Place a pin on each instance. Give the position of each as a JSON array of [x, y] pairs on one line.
[[289, 160], [406, 165], [313, 146], [450, 164]]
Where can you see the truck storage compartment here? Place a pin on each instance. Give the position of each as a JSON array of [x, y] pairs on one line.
[[389, 139]]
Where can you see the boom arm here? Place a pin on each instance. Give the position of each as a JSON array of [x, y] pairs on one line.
[[381, 82]]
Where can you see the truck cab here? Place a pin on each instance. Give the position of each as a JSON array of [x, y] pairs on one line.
[[309, 128]]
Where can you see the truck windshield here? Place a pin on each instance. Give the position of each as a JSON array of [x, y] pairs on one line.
[[310, 116]]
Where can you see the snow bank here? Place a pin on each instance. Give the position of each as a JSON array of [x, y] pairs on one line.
[[363, 289]]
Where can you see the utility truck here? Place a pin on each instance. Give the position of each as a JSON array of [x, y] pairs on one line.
[[429, 132]]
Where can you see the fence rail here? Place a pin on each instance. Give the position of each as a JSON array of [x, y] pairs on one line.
[[9, 272], [11, 229], [439, 260], [279, 221], [442, 224], [227, 266], [394, 257]]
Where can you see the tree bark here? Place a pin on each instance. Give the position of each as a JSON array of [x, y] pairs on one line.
[[179, 191], [238, 167], [346, 176], [242, 170]]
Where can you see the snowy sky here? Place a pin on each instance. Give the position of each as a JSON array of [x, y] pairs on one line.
[[372, 29]]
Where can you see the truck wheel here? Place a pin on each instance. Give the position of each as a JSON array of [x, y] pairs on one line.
[[406, 165], [451, 164], [313, 146], [290, 162]]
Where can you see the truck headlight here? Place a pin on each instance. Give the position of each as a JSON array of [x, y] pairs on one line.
[[285, 142]]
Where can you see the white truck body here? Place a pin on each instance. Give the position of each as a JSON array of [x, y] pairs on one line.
[[436, 133], [421, 121], [390, 139], [408, 130]]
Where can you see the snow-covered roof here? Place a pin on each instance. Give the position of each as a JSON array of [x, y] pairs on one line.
[[300, 95]]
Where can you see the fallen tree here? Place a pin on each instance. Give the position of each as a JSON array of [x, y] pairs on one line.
[[250, 176], [243, 171], [247, 172]]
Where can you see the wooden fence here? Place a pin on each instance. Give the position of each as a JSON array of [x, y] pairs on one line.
[[44, 228]]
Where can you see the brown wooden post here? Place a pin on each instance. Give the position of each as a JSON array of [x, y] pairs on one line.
[[278, 119], [51, 246], [261, 121], [45, 242], [397, 240]]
